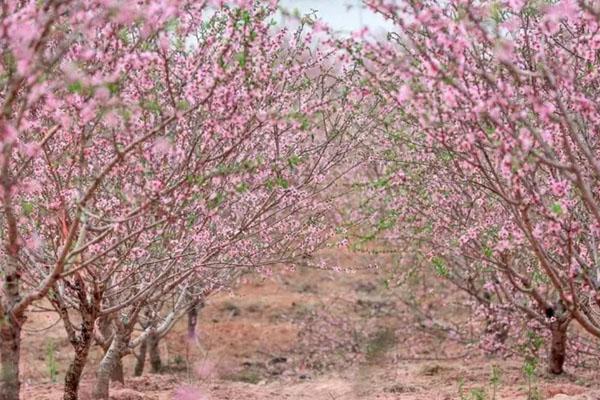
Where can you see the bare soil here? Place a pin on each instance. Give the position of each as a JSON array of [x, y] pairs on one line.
[[308, 334]]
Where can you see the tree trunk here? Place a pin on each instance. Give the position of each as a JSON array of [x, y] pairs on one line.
[[193, 320], [10, 346], [109, 362], [141, 359], [117, 374], [80, 339], [10, 322], [558, 350], [154, 353], [73, 375]]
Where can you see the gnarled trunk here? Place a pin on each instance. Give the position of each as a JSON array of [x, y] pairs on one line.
[[558, 349], [10, 346], [75, 370], [154, 353]]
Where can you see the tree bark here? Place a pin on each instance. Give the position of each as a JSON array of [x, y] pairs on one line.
[[10, 321], [141, 359], [154, 353], [558, 350], [10, 346], [117, 374], [193, 320], [82, 338], [108, 363], [81, 344]]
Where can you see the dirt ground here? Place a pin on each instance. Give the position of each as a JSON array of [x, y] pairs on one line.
[[308, 334]]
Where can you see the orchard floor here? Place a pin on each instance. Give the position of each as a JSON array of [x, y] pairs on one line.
[[311, 334]]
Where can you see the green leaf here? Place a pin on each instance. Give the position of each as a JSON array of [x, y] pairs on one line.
[[75, 87], [242, 187], [387, 222], [113, 87], [246, 17], [27, 208], [196, 179], [439, 267], [487, 252], [151, 105], [216, 201], [124, 35], [183, 105], [381, 183], [172, 25], [192, 218], [241, 59], [294, 161], [556, 209], [302, 119], [281, 182]]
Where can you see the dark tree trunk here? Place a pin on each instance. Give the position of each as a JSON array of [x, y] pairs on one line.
[[10, 346], [73, 375], [192, 320], [154, 353], [81, 339], [141, 359], [558, 350]]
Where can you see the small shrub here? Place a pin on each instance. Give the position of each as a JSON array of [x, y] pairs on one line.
[[478, 394]]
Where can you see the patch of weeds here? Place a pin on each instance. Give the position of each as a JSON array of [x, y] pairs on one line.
[[380, 343], [231, 308], [477, 394], [51, 363], [495, 380], [530, 363], [248, 375], [529, 369], [473, 394]]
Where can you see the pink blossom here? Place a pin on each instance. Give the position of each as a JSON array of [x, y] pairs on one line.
[[404, 93], [558, 187]]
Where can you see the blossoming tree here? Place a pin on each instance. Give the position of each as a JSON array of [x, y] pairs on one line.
[[145, 145], [492, 120]]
